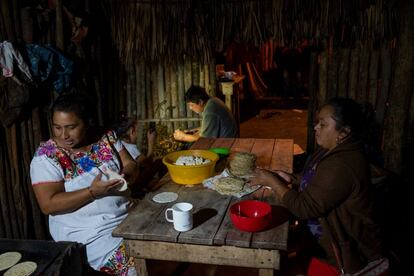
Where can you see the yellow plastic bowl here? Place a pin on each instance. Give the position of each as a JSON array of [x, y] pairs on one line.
[[190, 175]]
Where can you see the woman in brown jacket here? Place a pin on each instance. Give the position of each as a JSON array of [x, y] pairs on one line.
[[335, 195]]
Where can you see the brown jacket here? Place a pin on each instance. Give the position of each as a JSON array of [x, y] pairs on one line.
[[340, 195]]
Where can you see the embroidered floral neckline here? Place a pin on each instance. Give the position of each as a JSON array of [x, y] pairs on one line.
[[76, 163]]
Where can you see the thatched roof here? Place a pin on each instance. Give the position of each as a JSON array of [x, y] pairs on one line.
[[172, 29]]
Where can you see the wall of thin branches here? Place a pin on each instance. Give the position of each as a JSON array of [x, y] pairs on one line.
[[362, 74]]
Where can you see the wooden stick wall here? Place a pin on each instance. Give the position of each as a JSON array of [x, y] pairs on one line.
[[155, 92], [361, 74]]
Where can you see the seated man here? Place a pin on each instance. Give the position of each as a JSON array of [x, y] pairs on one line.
[[217, 120]]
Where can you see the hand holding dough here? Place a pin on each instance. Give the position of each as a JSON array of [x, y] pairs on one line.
[[114, 175]]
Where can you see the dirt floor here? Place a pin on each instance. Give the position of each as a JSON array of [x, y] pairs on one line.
[[278, 123]]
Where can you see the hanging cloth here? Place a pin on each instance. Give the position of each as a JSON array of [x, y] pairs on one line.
[[47, 63], [9, 56]]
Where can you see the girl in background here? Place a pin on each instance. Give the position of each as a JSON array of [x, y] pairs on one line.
[[127, 130]]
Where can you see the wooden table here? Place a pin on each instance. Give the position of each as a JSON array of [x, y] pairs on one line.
[[213, 239]]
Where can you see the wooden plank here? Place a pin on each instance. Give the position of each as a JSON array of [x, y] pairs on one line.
[[202, 143], [209, 209], [140, 221], [242, 144], [263, 149], [235, 237], [141, 266], [282, 156], [218, 255], [264, 272], [225, 227], [275, 236], [158, 228], [223, 142]]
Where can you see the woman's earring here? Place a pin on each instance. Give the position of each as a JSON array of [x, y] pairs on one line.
[[338, 140]]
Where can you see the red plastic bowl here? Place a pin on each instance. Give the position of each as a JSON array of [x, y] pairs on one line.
[[250, 215]]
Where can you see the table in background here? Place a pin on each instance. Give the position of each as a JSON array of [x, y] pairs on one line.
[[231, 90], [213, 239]]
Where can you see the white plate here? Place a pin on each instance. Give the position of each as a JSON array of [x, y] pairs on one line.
[[9, 259], [21, 269], [165, 197]]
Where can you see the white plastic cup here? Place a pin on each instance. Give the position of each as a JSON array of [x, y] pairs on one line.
[[181, 215]]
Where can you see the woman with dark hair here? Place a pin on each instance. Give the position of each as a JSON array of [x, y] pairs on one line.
[[70, 176], [335, 194]]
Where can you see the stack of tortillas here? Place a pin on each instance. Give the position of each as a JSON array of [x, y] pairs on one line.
[[229, 185], [242, 164], [10, 260]]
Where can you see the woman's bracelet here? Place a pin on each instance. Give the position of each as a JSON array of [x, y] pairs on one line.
[[91, 193]]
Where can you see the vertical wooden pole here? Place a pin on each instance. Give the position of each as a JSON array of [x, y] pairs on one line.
[[400, 98], [313, 100], [385, 75], [332, 73], [174, 94], [363, 74], [323, 67], [60, 42], [180, 95], [343, 72], [187, 84], [353, 74], [373, 77], [7, 20]]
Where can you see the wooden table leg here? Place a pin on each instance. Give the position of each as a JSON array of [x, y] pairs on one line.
[[141, 267], [265, 272], [211, 270]]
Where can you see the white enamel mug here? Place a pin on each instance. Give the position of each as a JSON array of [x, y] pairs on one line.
[[181, 215]]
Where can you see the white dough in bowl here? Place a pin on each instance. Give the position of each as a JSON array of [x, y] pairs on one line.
[[191, 160]]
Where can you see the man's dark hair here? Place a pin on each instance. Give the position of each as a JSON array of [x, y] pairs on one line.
[[195, 94]]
